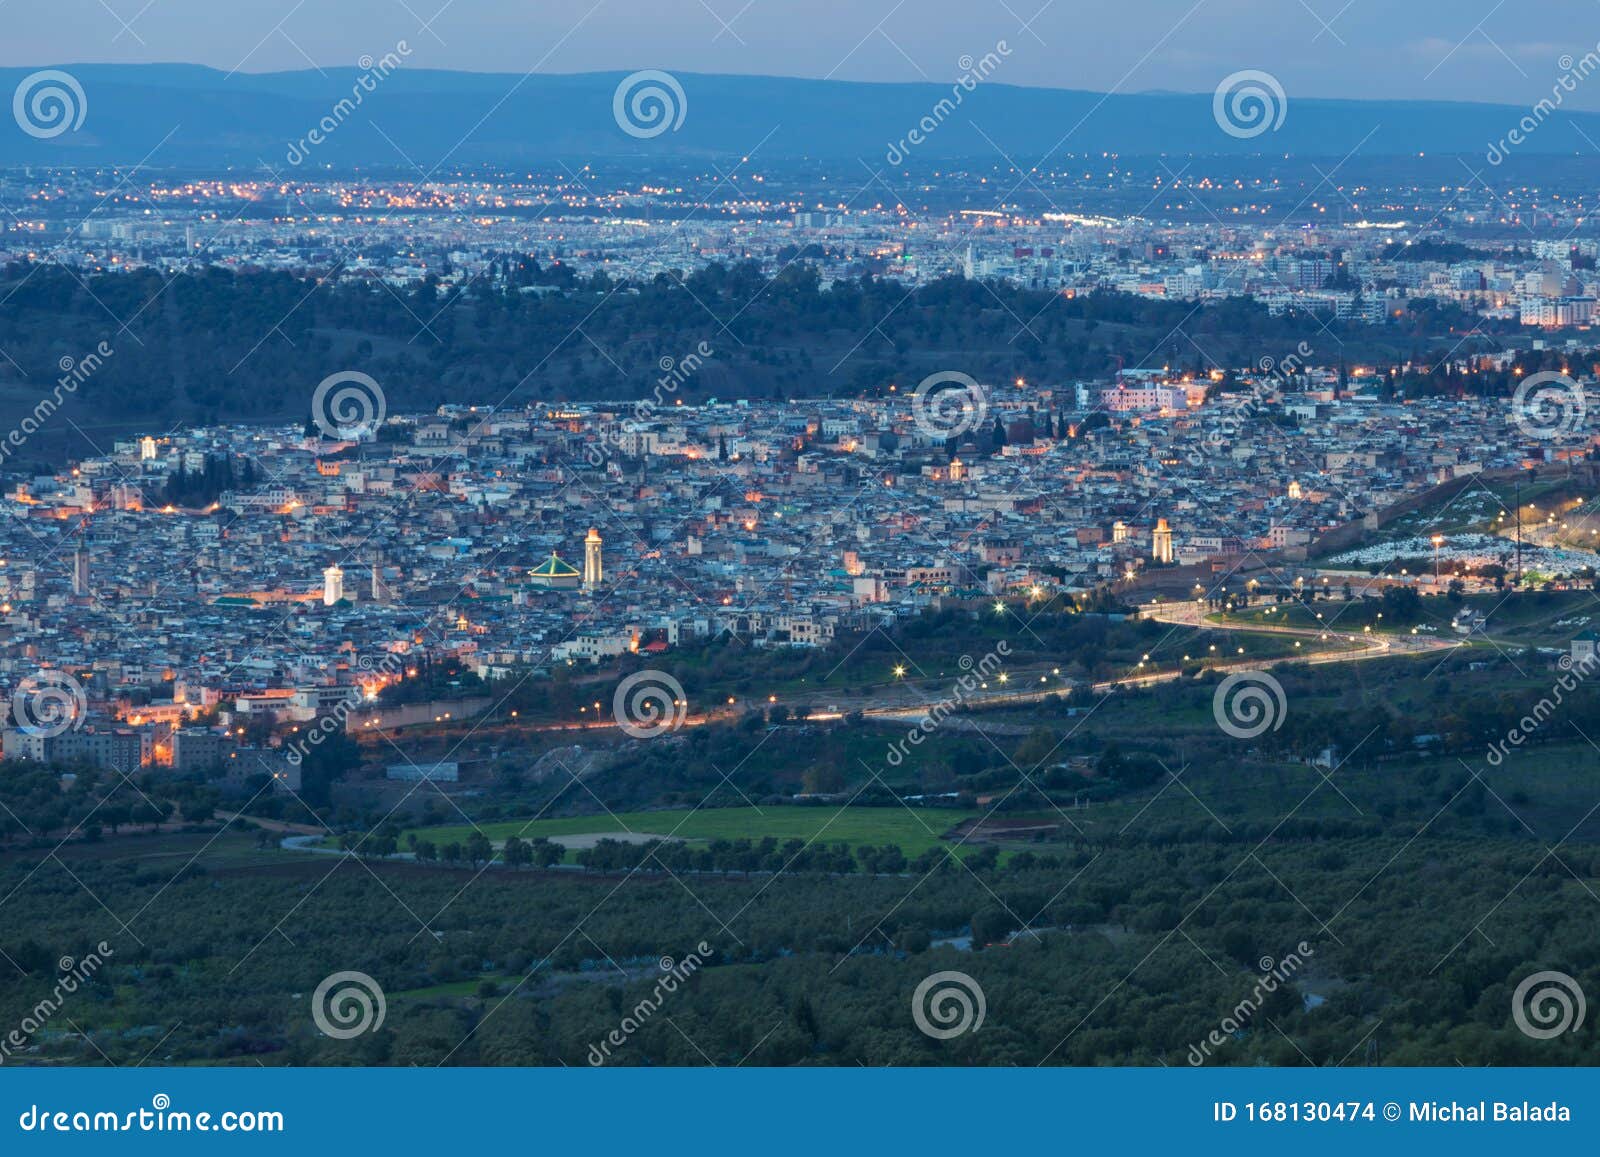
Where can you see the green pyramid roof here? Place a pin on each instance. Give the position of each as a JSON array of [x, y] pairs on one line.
[[553, 567]]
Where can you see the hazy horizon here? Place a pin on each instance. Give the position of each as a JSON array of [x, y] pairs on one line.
[[1432, 50]]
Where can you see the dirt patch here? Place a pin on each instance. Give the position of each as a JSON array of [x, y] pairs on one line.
[[581, 840]]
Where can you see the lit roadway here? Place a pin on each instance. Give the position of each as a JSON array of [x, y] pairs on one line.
[[1190, 614], [1029, 688]]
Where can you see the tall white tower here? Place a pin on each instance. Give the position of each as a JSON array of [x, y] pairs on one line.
[[593, 569], [1161, 542], [332, 585]]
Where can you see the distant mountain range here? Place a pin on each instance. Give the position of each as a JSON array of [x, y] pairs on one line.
[[184, 115]]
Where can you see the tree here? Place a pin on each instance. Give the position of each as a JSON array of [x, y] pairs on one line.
[[990, 926]]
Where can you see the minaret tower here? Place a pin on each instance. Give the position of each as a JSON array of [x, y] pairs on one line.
[[332, 585], [379, 592], [593, 570], [80, 562], [1161, 542]]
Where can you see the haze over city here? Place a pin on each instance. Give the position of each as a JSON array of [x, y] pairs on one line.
[[958, 540], [1426, 50]]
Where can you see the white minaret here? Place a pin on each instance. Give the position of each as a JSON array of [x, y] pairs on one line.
[[1161, 542], [593, 570], [332, 585]]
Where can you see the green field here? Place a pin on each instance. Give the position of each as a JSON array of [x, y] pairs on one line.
[[912, 831]]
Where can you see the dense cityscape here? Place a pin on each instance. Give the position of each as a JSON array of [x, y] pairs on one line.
[[899, 574], [1296, 242]]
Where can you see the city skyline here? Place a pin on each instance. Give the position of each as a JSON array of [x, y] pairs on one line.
[[1069, 538]]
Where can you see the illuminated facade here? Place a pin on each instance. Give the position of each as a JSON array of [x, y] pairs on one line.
[[593, 568]]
